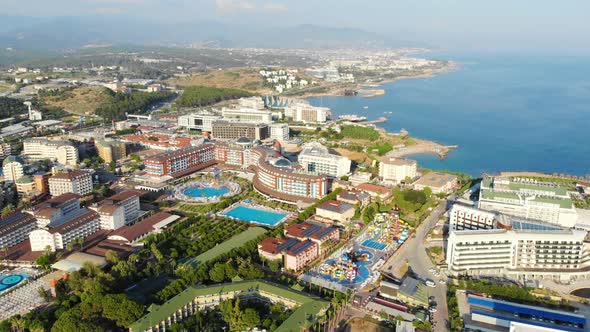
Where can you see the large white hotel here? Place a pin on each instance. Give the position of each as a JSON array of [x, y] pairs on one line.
[[317, 159], [487, 244], [528, 199]]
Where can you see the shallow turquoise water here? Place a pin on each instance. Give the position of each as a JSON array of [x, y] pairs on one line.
[[505, 113]]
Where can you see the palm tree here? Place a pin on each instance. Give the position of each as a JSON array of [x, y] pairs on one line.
[[17, 324]]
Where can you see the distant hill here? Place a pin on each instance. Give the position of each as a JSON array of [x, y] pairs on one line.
[[73, 32], [80, 101]]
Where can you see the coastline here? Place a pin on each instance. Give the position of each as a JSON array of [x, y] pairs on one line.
[[335, 91]]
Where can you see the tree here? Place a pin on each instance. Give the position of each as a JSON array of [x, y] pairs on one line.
[[217, 273], [120, 309], [44, 261], [8, 209], [17, 324], [250, 318], [112, 257], [112, 166]]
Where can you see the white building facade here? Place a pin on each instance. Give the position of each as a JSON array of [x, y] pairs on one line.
[[317, 159], [279, 132], [522, 254], [64, 152], [396, 170], [77, 182]]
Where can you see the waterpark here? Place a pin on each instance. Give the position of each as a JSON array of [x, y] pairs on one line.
[[385, 230], [206, 191], [349, 269], [249, 212], [357, 264]]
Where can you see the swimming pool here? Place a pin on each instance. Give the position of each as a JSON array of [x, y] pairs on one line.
[[11, 280], [370, 243], [197, 192], [254, 215]]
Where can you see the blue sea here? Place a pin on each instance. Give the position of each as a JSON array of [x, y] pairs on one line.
[[505, 113]]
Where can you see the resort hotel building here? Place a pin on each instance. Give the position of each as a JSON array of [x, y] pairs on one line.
[[528, 199], [231, 130], [279, 131], [281, 179], [118, 210], [317, 159], [15, 228], [198, 121], [487, 244], [396, 170], [306, 309], [61, 220], [274, 176], [76, 182], [247, 115], [111, 150], [179, 162], [12, 168], [306, 113], [64, 152]]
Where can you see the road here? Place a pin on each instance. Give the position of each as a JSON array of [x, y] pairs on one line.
[[413, 251]]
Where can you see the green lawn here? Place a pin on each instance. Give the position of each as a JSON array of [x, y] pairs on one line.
[[227, 246]]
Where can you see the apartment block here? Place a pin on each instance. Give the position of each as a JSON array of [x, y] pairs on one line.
[[111, 150], [15, 228], [76, 182], [12, 168]]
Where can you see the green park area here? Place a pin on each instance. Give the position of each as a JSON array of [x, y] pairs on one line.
[[227, 246]]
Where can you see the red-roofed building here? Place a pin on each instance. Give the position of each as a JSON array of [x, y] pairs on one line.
[[158, 141], [294, 254], [374, 190], [77, 182], [132, 234], [180, 161], [335, 210], [313, 232]]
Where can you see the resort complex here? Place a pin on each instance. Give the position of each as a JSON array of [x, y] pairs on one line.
[[178, 205]]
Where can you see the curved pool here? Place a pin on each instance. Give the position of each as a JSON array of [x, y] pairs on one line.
[[208, 192], [11, 280]]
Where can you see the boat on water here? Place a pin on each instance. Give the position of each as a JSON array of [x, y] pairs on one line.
[[352, 118], [365, 107]]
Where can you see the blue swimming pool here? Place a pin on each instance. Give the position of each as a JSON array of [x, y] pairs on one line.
[[11, 280], [370, 243], [206, 192], [254, 215]]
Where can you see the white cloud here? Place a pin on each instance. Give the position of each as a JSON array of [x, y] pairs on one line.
[[234, 5], [228, 6], [275, 7]]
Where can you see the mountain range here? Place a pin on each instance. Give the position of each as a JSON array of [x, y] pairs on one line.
[[73, 32]]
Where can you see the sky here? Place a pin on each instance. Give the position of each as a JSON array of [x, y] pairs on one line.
[[448, 24]]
